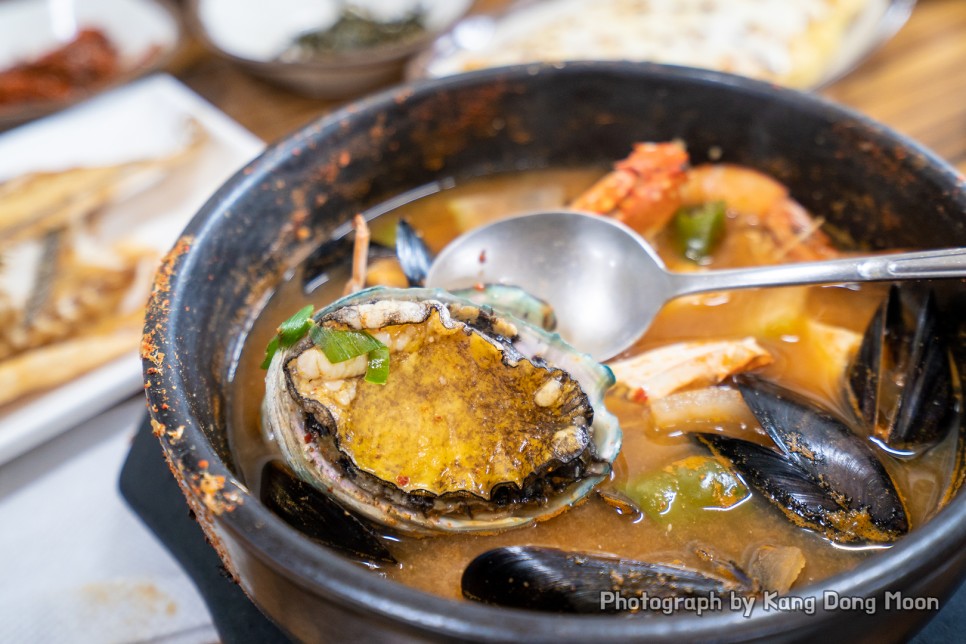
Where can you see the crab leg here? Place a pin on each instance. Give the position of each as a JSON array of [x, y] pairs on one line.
[[663, 371], [360, 257]]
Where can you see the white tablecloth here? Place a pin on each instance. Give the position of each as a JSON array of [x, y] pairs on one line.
[[76, 565]]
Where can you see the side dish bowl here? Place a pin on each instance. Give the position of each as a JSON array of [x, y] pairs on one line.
[[144, 33], [254, 34], [869, 182]]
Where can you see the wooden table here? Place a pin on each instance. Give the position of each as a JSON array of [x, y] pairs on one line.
[[916, 83]]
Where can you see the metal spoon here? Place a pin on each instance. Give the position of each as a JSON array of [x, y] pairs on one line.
[[606, 283]]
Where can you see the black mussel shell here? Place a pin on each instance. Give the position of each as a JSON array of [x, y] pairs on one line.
[[413, 254], [902, 380], [317, 516], [552, 580], [821, 475]]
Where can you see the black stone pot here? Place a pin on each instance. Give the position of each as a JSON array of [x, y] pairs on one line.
[[879, 187]]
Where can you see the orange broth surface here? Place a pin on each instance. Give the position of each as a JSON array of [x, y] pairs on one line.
[[771, 316]]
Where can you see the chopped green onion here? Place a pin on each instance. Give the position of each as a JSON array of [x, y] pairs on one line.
[[339, 346], [698, 230], [294, 329], [270, 351], [377, 371], [288, 333]]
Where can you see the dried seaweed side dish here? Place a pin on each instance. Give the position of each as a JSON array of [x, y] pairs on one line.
[[356, 29]]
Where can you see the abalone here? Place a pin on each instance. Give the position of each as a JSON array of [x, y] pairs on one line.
[[485, 422]]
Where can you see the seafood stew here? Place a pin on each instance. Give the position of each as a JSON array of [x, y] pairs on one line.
[[241, 247], [730, 478]]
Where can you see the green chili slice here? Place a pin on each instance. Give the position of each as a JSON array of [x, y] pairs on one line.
[[685, 486], [698, 230]]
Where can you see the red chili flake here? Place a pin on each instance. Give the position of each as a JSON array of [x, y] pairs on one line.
[[402, 480], [308, 438], [480, 286], [639, 396], [203, 464], [483, 256]]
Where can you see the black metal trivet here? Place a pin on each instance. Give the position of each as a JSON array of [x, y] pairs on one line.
[[150, 489]]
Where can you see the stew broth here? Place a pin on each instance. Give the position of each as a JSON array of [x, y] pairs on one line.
[[803, 362]]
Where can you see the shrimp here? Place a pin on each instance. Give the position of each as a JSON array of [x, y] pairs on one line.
[[654, 181], [760, 200], [643, 191]]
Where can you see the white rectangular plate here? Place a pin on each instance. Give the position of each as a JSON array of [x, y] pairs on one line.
[[146, 118]]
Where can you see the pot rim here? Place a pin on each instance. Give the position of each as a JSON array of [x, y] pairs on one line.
[[327, 574]]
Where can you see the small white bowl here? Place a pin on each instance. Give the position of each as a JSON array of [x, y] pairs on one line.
[[253, 33], [146, 34]]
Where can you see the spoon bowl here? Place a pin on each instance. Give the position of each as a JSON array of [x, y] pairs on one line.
[[606, 283]]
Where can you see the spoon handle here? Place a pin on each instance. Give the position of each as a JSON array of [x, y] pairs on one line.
[[945, 263]]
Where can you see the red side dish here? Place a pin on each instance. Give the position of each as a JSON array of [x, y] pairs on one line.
[[88, 61]]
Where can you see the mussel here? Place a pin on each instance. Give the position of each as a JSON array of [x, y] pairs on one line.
[[413, 254], [319, 517], [548, 579], [820, 473], [485, 422], [903, 381]]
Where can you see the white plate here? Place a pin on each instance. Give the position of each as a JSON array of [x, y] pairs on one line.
[[145, 33], [475, 39], [145, 118]]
